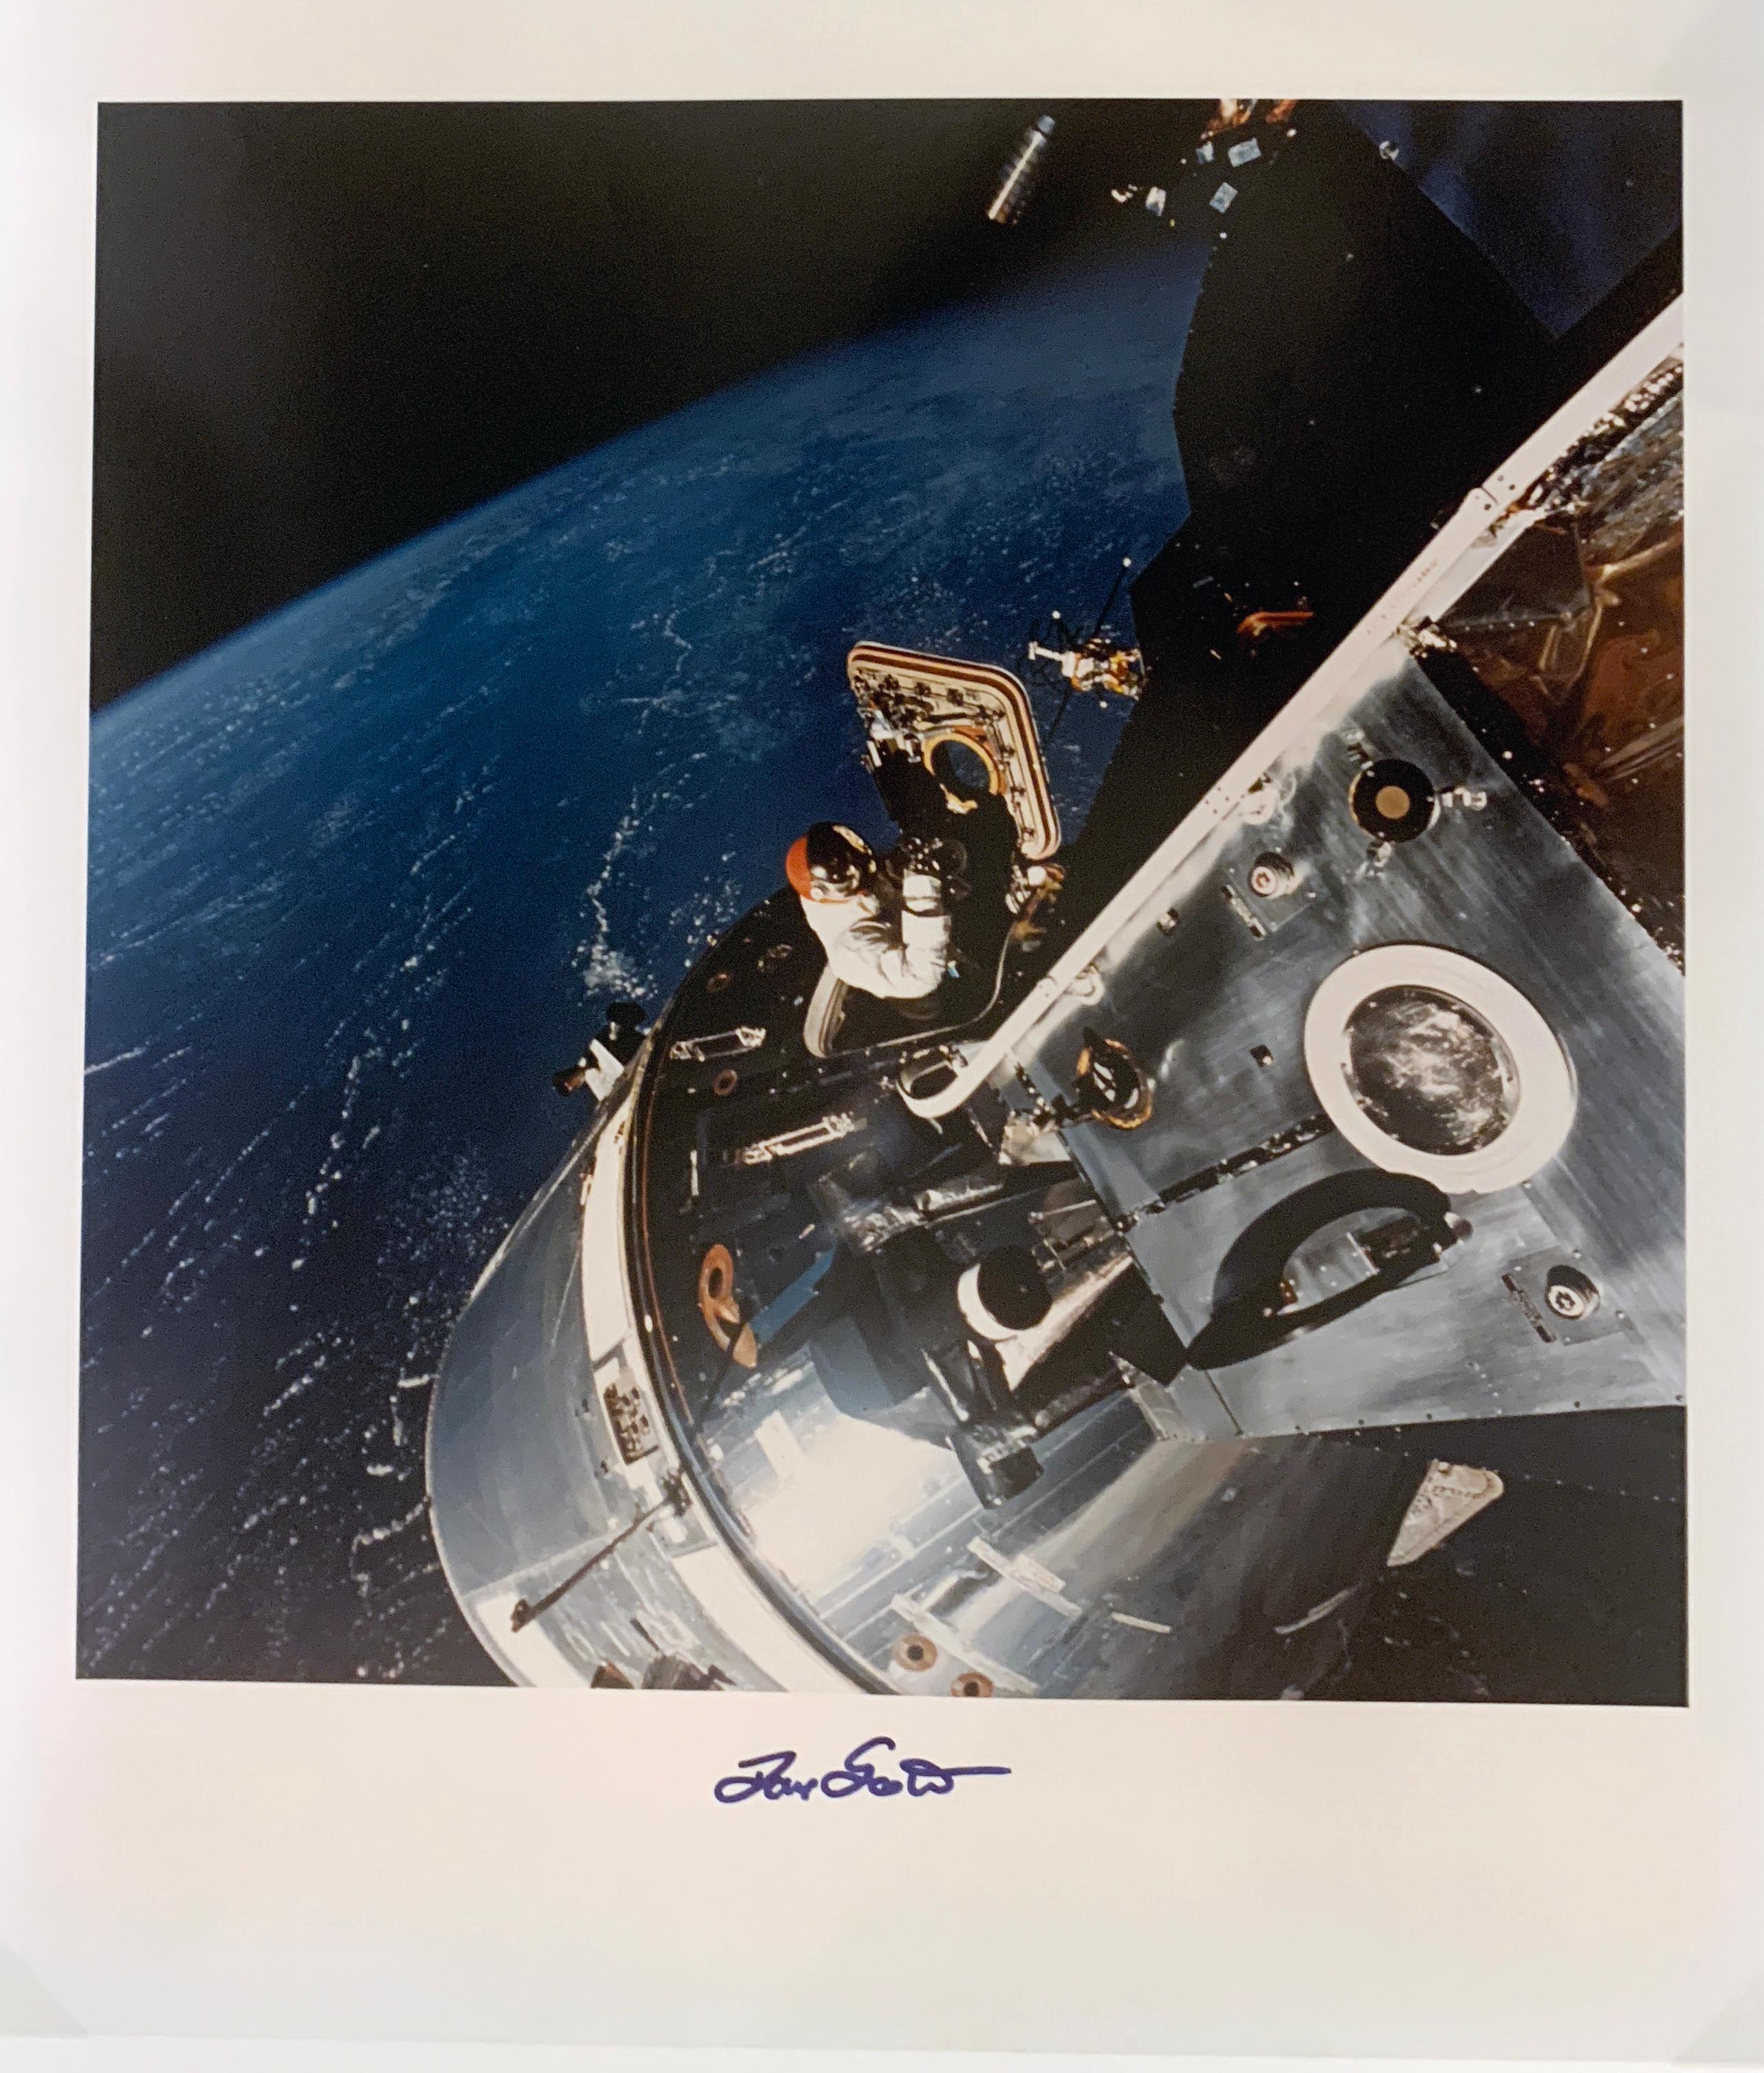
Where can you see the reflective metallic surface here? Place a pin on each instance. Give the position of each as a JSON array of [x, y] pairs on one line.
[[1358, 1106], [1217, 1011]]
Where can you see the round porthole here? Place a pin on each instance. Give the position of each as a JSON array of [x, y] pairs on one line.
[[962, 763], [1431, 1064]]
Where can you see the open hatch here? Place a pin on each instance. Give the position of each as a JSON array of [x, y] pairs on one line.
[[953, 750]]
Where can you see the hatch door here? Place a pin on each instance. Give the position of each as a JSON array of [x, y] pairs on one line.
[[968, 723]]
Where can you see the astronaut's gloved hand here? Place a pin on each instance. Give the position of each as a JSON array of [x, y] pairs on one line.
[[932, 867]]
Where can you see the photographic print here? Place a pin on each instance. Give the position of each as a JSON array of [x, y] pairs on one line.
[[888, 897]]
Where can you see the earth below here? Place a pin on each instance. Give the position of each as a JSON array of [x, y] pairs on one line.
[[362, 877]]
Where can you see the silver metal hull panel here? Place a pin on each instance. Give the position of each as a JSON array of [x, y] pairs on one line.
[[1137, 1566], [1195, 1569], [525, 1480], [512, 1458], [1216, 1013]]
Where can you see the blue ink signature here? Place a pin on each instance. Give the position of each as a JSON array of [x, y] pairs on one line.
[[769, 1777]]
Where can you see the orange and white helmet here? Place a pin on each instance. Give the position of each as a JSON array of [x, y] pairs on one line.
[[831, 862]]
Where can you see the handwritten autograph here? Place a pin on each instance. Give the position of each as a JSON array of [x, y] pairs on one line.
[[769, 1777]]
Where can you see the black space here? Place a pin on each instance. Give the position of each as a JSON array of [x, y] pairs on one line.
[[322, 329], [1568, 1591]]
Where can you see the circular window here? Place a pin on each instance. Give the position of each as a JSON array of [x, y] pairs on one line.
[[1431, 1064], [960, 762], [1429, 1071]]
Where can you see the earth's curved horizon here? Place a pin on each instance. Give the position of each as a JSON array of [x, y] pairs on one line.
[[360, 874]]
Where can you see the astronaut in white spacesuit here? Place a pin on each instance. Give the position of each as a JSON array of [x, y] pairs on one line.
[[885, 931]]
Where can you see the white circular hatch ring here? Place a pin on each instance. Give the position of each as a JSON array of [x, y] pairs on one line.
[[1543, 1108]]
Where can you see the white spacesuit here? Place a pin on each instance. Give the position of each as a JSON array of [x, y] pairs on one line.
[[898, 953], [896, 947]]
